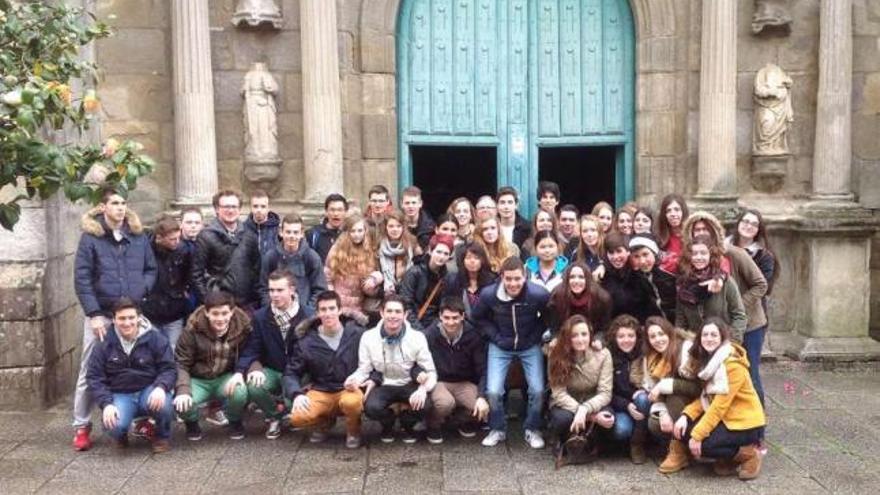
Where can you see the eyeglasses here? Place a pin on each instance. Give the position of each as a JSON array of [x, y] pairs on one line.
[[378, 200], [228, 207]]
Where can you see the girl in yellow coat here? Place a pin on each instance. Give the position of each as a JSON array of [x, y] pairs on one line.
[[727, 420]]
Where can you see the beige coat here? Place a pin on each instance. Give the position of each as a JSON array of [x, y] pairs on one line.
[[589, 385]]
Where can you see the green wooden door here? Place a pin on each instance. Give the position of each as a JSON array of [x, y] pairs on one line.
[[517, 75]]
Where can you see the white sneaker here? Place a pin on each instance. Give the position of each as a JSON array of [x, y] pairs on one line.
[[317, 436], [494, 438], [534, 439], [217, 417]]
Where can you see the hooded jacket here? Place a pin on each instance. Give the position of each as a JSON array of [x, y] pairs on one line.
[[106, 269], [533, 268], [266, 233], [167, 301], [307, 270], [739, 409], [512, 323], [312, 357], [321, 238], [226, 262], [264, 347], [749, 279], [111, 370], [201, 354], [394, 358], [415, 288]]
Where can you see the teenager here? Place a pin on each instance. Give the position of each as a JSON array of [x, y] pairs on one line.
[[643, 221], [579, 294], [322, 236], [473, 274], [624, 339], [378, 205], [387, 355], [464, 214], [546, 266], [511, 314], [167, 304], [542, 221], [422, 286], [497, 248], [581, 381], [262, 222], [191, 223], [623, 220], [643, 257], [131, 373], [548, 196], [590, 248], [326, 351], [513, 227], [418, 221], [630, 293], [352, 269], [302, 262], [397, 250], [670, 220], [605, 213], [727, 420]]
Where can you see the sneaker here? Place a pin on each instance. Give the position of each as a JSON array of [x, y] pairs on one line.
[[317, 436], [352, 441], [409, 436], [143, 428], [160, 446], [435, 436], [494, 438], [534, 439], [236, 430], [216, 417], [193, 431], [387, 435], [467, 430], [273, 431], [81, 440]]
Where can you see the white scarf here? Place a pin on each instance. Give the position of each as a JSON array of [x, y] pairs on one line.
[[714, 375]]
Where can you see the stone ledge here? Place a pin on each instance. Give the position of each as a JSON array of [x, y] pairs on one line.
[[830, 349]]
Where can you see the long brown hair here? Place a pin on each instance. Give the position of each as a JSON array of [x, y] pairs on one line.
[[600, 243], [407, 240], [662, 227], [685, 264], [560, 298], [562, 355], [350, 259], [700, 357], [761, 238], [673, 350]]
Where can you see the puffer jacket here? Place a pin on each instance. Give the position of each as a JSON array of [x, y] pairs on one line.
[[307, 270], [111, 370], [201, 354], [312, 357], [394, 360], [167, 301], [415, 288], [590, 384], [266, 233], [106, 269], [513, 324], [226, 262], [321, 238], [749, 280]]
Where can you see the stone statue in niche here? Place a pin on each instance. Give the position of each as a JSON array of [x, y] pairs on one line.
[[262, 163], [773, 118], [256, 12], [772, 13]]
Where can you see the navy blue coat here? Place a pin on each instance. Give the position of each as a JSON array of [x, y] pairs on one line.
[[313, 357], [110, 370], [464, 361], [264, 347], [106, 269], [516, 324], [266, 233], [306, 267], [168, 300]]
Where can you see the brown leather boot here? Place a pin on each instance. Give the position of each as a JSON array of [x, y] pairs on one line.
[[724, 467], [637, 453], [677, 458], [749, 461]]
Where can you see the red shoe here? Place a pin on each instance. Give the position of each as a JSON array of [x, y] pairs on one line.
[[81, 440], [144, 429]]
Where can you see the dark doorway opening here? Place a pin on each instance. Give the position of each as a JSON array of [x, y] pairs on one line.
[[444, 173], [585, 174]]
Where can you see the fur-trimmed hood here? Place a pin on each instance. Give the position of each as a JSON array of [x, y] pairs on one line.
[[92, 222], [710, 219]]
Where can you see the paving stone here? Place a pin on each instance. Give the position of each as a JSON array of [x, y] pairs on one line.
[[836, 471], [309, 471], [790, 392]]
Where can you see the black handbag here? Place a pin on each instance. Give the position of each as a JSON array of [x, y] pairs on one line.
[[580, 448]]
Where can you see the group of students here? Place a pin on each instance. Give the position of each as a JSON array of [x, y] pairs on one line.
[[651, 327]]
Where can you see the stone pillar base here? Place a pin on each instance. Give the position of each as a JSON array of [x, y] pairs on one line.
[[768, 172], [838, 349]]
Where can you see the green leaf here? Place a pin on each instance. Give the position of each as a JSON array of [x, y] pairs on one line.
[[9, 214]]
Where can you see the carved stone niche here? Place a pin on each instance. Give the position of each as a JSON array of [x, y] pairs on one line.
[[773, 14], [262, 162], [771, 156], [254, 13]]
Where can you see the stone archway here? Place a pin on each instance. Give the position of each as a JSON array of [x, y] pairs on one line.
[[661, 95]]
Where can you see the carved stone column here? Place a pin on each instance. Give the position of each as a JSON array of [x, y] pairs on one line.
[[832, 158], [717, 145], [195, 152], [322, 107]]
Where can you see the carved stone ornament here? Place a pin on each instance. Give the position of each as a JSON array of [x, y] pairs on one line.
[[772, 13], [253, 13], [262, 163], [773, 118]]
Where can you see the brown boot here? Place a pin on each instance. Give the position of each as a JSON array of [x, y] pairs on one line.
[[749, 461], [637, 453], [677, 459], [724, 467]]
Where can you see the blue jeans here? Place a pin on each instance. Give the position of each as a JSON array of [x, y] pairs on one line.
[[625, 425], [496, 374], [753, 341], [171, 331], [134, 405]]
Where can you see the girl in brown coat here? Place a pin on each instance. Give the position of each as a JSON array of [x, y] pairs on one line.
[[352, 269]]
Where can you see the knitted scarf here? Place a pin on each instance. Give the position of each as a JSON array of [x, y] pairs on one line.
[[689, 288], [388, 255]]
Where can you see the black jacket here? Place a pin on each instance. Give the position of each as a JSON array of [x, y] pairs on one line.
[[512, 324], [623, 391], [424, 229], [464, 361], [321, 239], [226, 262], [264, 347], [630, 293], [662, 284], [306, 267], [313, 357], [592, 260], [111, 370], [521, 231], [266, 232], [167, 301], [415, 288]]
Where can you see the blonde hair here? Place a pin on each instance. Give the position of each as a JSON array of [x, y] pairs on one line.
[[348, 259], [497, 252]]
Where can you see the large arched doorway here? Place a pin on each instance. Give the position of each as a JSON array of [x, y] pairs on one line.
[[510, 92]]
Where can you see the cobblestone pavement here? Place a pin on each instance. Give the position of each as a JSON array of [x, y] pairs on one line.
[[823, 437]]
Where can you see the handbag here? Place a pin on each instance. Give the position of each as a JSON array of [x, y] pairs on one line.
[[579, 448]]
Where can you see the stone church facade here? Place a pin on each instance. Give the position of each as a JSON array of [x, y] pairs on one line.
[[661, 102]]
